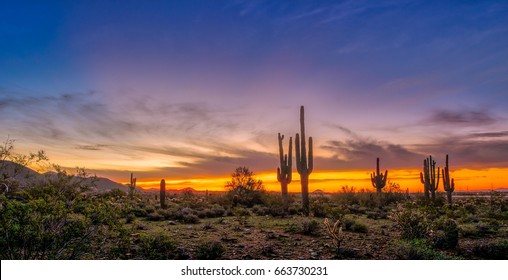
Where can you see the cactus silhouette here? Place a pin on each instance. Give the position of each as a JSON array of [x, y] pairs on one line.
[[378, 179], [284, 172], [163, 193], [304, 165], [428, 177], [449, 186], [132, 186]]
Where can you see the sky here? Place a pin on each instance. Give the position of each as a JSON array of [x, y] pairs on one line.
[[190, 90]]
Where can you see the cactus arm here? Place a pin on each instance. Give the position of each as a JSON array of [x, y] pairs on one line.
[[303, 152], [311, 157], [297, 154], [281, 149], [290, 153]]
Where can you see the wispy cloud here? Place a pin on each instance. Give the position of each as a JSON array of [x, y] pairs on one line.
[[462, 117], [360, 152], [493, 134]]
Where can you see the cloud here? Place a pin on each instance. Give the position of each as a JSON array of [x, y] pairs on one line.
[[64, 117], [496, 134], [97, 147], [463, 117], [358, 152], [466, 152]]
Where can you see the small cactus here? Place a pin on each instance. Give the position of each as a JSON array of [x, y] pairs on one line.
[[378, 179], [335, 232], [284, 172], [304, 164], [235, 201], [132, 186], [449, 185], [163, 193], [428, 177]]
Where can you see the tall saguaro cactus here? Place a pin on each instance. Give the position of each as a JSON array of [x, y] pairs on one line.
[[428, 177], [163, 193], [132, 186], [449, 185], [284, 172], [378, 179], [304, 164]]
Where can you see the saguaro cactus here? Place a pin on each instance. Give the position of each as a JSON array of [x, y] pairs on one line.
[[449, 186], [378, 179], [132, 186], [428, 177], [284, 172], [163, 193], [304, 165]]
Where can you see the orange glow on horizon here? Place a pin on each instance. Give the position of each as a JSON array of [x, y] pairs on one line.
[[332, 181]]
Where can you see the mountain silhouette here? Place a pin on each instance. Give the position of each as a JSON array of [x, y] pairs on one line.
[[27, 176]]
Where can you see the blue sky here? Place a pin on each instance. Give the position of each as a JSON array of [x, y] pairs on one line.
[[199, 87]]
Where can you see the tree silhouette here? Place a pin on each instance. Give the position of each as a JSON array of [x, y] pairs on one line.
[[248, 190]]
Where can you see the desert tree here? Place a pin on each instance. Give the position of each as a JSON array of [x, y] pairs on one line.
[[247, 190]]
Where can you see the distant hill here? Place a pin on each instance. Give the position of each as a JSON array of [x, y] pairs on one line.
[[25, 176], [169, 190], [9, 169]]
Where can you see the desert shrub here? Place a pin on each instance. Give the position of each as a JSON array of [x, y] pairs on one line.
[[114, 193], [377, 214], [445, 234], [217, 210], [485, 229], [139, 212], [276, 211], [347, 196], [338, 212], [359, 227], [208, 226], [477, 230], [357, 209], [417, 249], [295, 210], [157, 246], [44, 226], [166, 213], [213, 250], [369, 199], [154, 217], [229, 212], [149, 209], [468, 230], [190, 219], [201, 214], [120, 245], [348, 223], [187, 211], [241, 215], [411, 221], [260, 210], [310, 227], [493, 250], [129, 218], [319, 209]]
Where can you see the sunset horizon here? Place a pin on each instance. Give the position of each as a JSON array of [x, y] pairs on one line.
[[296, 132], [172, 90]]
